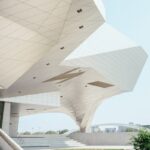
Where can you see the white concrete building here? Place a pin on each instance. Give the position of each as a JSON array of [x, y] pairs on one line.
[[50, 60]]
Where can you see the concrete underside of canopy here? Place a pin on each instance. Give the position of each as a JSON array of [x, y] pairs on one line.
[[49, 61]]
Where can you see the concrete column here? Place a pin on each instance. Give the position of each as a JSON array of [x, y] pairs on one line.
[[85, 129], [14, 120], [6, 117]]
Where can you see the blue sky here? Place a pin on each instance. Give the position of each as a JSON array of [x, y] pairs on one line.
[[131, 17]]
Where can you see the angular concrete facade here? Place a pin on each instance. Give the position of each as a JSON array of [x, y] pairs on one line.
[[51, 61]]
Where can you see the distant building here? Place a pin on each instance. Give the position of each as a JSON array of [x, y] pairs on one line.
[[112, 127], [110, 130]]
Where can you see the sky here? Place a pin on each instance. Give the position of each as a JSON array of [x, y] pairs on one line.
[[131, 17]]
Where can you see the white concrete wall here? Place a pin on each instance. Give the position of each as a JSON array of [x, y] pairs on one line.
[[117, 139]]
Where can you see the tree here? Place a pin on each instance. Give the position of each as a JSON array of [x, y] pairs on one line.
[[142, 140], [50, 132], [38, 133], [131, 130], [26, 133], [63, 131]]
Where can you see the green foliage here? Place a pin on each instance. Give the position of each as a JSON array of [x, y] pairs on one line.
[[51, 132], [142, 140], [146, 126], [131, 130], [45, 133], [63, 131], [26, 133], [38, 133]]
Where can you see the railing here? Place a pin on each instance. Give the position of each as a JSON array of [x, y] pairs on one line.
[[8, 142]]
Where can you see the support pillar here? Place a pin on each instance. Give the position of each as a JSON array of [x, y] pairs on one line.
[[14, 120], [85, 129], [6, 117]]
